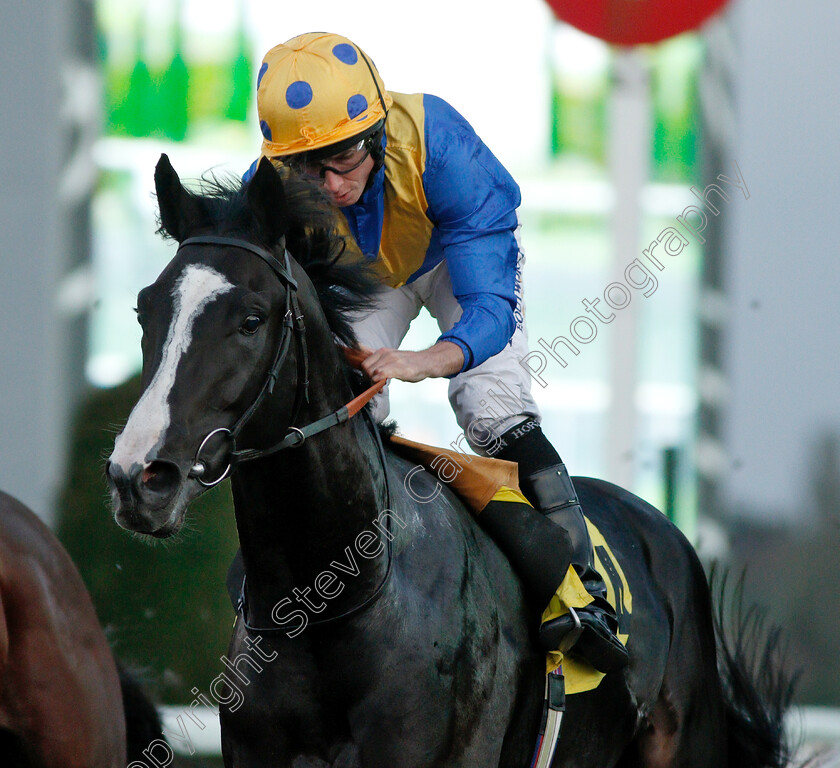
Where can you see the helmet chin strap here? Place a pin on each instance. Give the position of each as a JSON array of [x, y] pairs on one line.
[[377, 152]]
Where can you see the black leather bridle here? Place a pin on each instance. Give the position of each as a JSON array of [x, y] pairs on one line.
[[293, 326]]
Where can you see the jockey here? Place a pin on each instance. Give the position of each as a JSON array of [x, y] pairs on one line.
[[435, 213]]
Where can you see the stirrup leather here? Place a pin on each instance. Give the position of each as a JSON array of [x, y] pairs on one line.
[[573, 635]]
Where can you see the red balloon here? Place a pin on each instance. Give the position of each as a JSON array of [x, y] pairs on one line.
[[630, 22]]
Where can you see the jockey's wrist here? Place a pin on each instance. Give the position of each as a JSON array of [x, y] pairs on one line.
[[443, 359]]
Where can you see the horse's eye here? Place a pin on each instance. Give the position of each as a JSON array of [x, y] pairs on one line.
[[250, 324], [139, 316]]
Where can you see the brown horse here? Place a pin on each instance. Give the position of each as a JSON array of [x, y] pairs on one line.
[[61, 692]]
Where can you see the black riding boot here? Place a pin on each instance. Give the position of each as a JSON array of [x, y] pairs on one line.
[[534, 547], [551, 491]]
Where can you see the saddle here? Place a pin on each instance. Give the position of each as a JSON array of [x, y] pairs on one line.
[[477, 480]]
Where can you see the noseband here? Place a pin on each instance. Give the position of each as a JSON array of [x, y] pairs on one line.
[[293, 325]]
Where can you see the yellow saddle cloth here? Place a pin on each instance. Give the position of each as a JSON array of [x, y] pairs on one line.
[[477, 480]]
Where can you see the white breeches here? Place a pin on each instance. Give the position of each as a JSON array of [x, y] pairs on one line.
[[488, 399]]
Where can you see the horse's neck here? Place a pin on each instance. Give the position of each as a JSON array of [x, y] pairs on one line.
[[302, 509]]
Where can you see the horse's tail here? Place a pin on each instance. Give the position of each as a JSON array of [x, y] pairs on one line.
[[142, 721], [756, 687]]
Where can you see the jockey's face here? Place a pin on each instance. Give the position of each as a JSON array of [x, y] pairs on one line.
[[346, 188], [343, 175]]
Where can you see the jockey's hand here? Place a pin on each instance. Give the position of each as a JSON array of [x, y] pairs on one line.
[[443, 359]]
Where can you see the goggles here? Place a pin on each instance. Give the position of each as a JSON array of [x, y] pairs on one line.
[[341, 164]]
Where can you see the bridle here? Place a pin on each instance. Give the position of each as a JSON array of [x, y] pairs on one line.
[[293, 326]]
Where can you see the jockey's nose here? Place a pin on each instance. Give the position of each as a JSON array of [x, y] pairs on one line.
[[332, 181]]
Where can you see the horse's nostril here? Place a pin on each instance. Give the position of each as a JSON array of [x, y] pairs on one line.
[[148, 474], [160, 477]]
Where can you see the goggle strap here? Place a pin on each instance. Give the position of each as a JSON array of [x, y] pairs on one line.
[[375, 81]]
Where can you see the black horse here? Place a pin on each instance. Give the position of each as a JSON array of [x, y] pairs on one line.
[[377, 631]]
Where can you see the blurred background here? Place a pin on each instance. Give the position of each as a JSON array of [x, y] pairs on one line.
[[713, 393]]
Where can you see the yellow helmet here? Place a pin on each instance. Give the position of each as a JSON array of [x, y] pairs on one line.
[[316, 90]]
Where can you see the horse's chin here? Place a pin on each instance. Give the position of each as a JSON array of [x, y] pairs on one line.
[[160, 523], [167, 531], [136, 521]]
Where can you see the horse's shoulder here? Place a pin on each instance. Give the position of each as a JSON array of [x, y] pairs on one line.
[[24, 537], [436, 521]]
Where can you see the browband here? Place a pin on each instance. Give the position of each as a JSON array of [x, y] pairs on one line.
[[283, 271]]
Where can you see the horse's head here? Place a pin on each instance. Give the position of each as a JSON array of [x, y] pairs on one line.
[[218, 323]]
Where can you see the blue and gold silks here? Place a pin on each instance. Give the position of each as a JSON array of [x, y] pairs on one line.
[[442, 194]]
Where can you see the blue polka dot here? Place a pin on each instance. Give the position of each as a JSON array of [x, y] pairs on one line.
[[263, 68], [298, 94], [266, 131], [356, 105], [346, 53]]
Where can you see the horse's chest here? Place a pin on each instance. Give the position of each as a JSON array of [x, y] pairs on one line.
[[328, 707]]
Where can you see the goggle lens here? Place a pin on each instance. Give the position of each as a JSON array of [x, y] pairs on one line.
[[340, 164]]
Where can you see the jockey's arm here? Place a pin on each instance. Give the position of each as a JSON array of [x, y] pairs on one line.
[[472, 202], [442, 359]]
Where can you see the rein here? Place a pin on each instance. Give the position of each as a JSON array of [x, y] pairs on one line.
[[242, 600]]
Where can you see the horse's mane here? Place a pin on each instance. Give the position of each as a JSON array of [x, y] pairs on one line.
[[343, 280]]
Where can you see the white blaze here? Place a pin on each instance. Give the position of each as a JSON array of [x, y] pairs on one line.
[[149, 420]]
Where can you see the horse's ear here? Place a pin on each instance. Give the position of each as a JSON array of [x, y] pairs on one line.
[[268, 201], [178, 208]]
